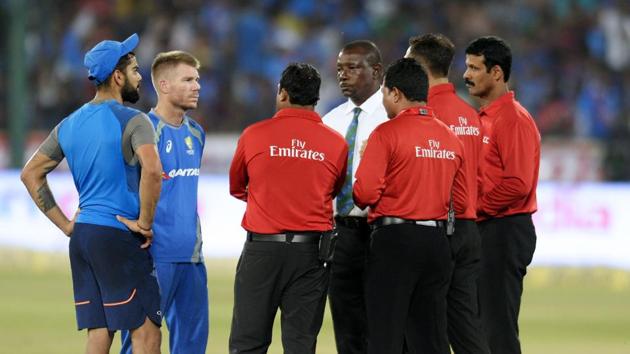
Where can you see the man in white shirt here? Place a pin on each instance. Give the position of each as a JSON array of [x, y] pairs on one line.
[[359, 72]]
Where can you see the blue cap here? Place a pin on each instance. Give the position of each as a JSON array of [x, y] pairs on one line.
[[102, 59]]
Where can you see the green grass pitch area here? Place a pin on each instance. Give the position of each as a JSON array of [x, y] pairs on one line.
[[566, 310]]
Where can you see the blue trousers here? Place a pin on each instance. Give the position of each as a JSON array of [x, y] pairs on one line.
[[184, 300]]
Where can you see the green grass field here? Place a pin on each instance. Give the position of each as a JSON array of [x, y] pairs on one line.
[[577, 311]]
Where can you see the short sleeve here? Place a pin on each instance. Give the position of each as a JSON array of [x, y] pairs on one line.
[[50, 147], [138, 131], [141, 131]]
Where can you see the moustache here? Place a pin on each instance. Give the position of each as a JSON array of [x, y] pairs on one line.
[[468, 82]]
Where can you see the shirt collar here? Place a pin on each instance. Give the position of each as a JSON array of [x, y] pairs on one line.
[[154, 113], [495, 105], [440, 89], [369, 106], [298, 113], [422, 111]]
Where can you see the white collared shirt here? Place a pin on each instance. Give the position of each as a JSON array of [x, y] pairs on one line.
[[372, 114]]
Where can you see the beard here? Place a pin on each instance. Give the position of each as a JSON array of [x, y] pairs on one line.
[[129, 93], [188, 106]]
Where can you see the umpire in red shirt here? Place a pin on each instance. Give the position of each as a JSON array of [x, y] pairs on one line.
[[288, 169], [412, 165], [435, 53], [509, 165]]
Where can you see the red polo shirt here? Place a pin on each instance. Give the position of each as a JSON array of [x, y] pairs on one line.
[[510, 159], [288, 169], [408, 168], [462, 119]]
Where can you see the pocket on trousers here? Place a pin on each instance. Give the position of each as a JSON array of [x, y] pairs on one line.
[[522, 242]]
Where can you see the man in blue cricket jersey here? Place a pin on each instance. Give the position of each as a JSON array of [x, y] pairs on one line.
[[176, 247], [116, 169]]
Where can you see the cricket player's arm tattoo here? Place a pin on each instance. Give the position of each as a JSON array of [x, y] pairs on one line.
[[45, 199]]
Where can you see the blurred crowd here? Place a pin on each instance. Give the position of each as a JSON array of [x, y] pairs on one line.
[[571, 57]]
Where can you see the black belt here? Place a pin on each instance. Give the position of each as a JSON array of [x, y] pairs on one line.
[[289, 237], [390, 220], [352, 222]]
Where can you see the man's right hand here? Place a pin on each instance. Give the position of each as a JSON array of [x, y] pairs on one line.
[[133, 226], [70, 225]]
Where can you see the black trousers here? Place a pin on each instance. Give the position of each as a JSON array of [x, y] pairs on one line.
[[508, 246], [408, 272], [347, 284], [464, 324], [272, 275]]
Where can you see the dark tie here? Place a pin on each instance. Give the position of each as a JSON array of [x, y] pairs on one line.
[[344, 199]]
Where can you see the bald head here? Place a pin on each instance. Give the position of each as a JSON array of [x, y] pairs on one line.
[[366, 48]]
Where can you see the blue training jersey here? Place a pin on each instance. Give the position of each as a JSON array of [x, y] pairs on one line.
[[92, 141], [176, 227]]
